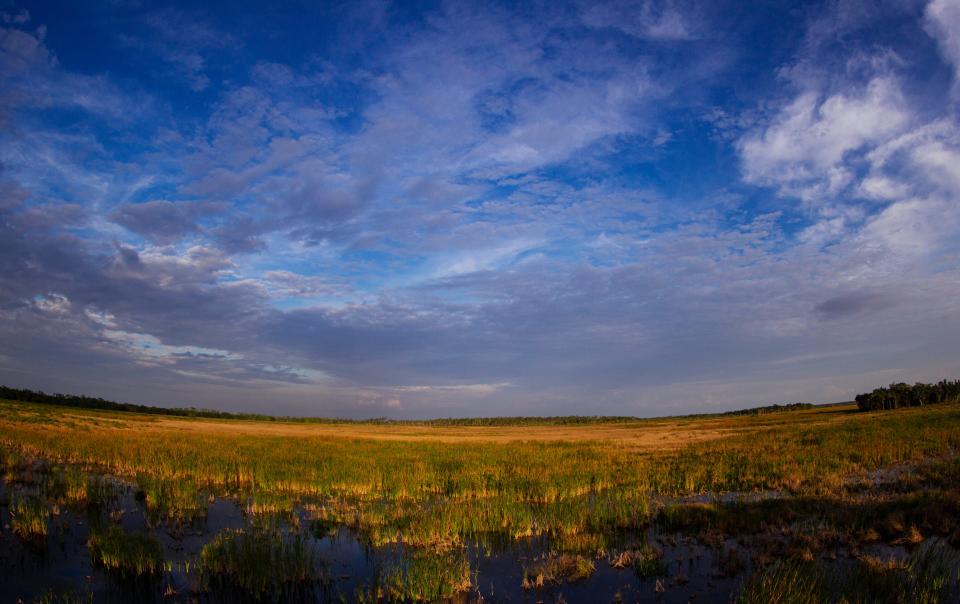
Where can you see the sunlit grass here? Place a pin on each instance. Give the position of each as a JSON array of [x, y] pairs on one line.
[[129, 554], [28, 517], [420, 576], [557, 569], [520, 489], [260, 562], [177, 500], [431, 498]]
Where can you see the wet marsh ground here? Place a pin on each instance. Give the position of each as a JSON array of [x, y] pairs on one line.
[[808, 506]]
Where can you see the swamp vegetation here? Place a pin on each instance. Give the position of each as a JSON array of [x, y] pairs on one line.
[[818, 504]]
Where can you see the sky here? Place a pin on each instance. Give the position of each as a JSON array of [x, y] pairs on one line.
[[374, 209]]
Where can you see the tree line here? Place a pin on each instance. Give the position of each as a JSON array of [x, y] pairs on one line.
[[771, 409], [89, 402], [893, 396], [902, 394]]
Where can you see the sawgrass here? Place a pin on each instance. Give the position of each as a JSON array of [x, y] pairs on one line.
[[418, 575], [128, 554], [28, 517], [922, 579], [432, 489], [261, 562], [557, 569]]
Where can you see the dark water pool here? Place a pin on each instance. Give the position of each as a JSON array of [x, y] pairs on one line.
[[61, 564]]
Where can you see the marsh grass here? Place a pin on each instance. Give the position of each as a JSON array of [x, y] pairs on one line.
[[28, 517], [645, 560], [265, 563], [102, 493], [418, 575], [170, 500], [66, 486], [130, 555], [266, 504], [556, 569], [53, 597], [579, 492], [589, 544], [923, 579]]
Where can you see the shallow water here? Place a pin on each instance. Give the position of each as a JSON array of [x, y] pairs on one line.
[[61, 562]]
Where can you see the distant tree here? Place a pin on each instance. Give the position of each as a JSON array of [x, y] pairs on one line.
[[901, 394]]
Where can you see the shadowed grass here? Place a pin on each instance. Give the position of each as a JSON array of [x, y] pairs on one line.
[[419, 576], [130, 555], [53, 597], [261, 562], [178, 501], [556, 569], [28, 517], [645, 560], [921, 580], [67, 485]]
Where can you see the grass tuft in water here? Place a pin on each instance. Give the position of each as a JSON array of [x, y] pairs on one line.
[[557, 569], [259, 561], [52, 597], [425, 576], [173, 500], [923, 579], [67, 485], [129, 554], [28, 517], [646, 561]]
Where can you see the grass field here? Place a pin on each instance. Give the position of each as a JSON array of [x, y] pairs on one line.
[[584, 490]]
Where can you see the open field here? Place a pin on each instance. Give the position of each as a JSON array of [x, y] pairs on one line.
[[645, 435], [561, 505]]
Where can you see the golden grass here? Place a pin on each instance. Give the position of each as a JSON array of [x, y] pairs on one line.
[[642, 435], [437, 486], [432, 489]]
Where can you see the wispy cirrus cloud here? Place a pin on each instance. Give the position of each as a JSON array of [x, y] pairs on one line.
[[942, 20]]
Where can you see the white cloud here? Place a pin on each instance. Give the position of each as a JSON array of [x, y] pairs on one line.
[[482, 258], [461, 388], [802, 152], [150, 349], [916, 228], [644, 19], [882, 187], [942, 19]]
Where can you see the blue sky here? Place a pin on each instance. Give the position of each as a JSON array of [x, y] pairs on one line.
[[456, 209]]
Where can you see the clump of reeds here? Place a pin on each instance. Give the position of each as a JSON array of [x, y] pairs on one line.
[[175, 500], [67, 485], [98, 492], [588, 544], [923, 579], [420, 576], [645, 560], [556, 568], [260, 561], [28, 517], [128, 554], [53, 597]]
